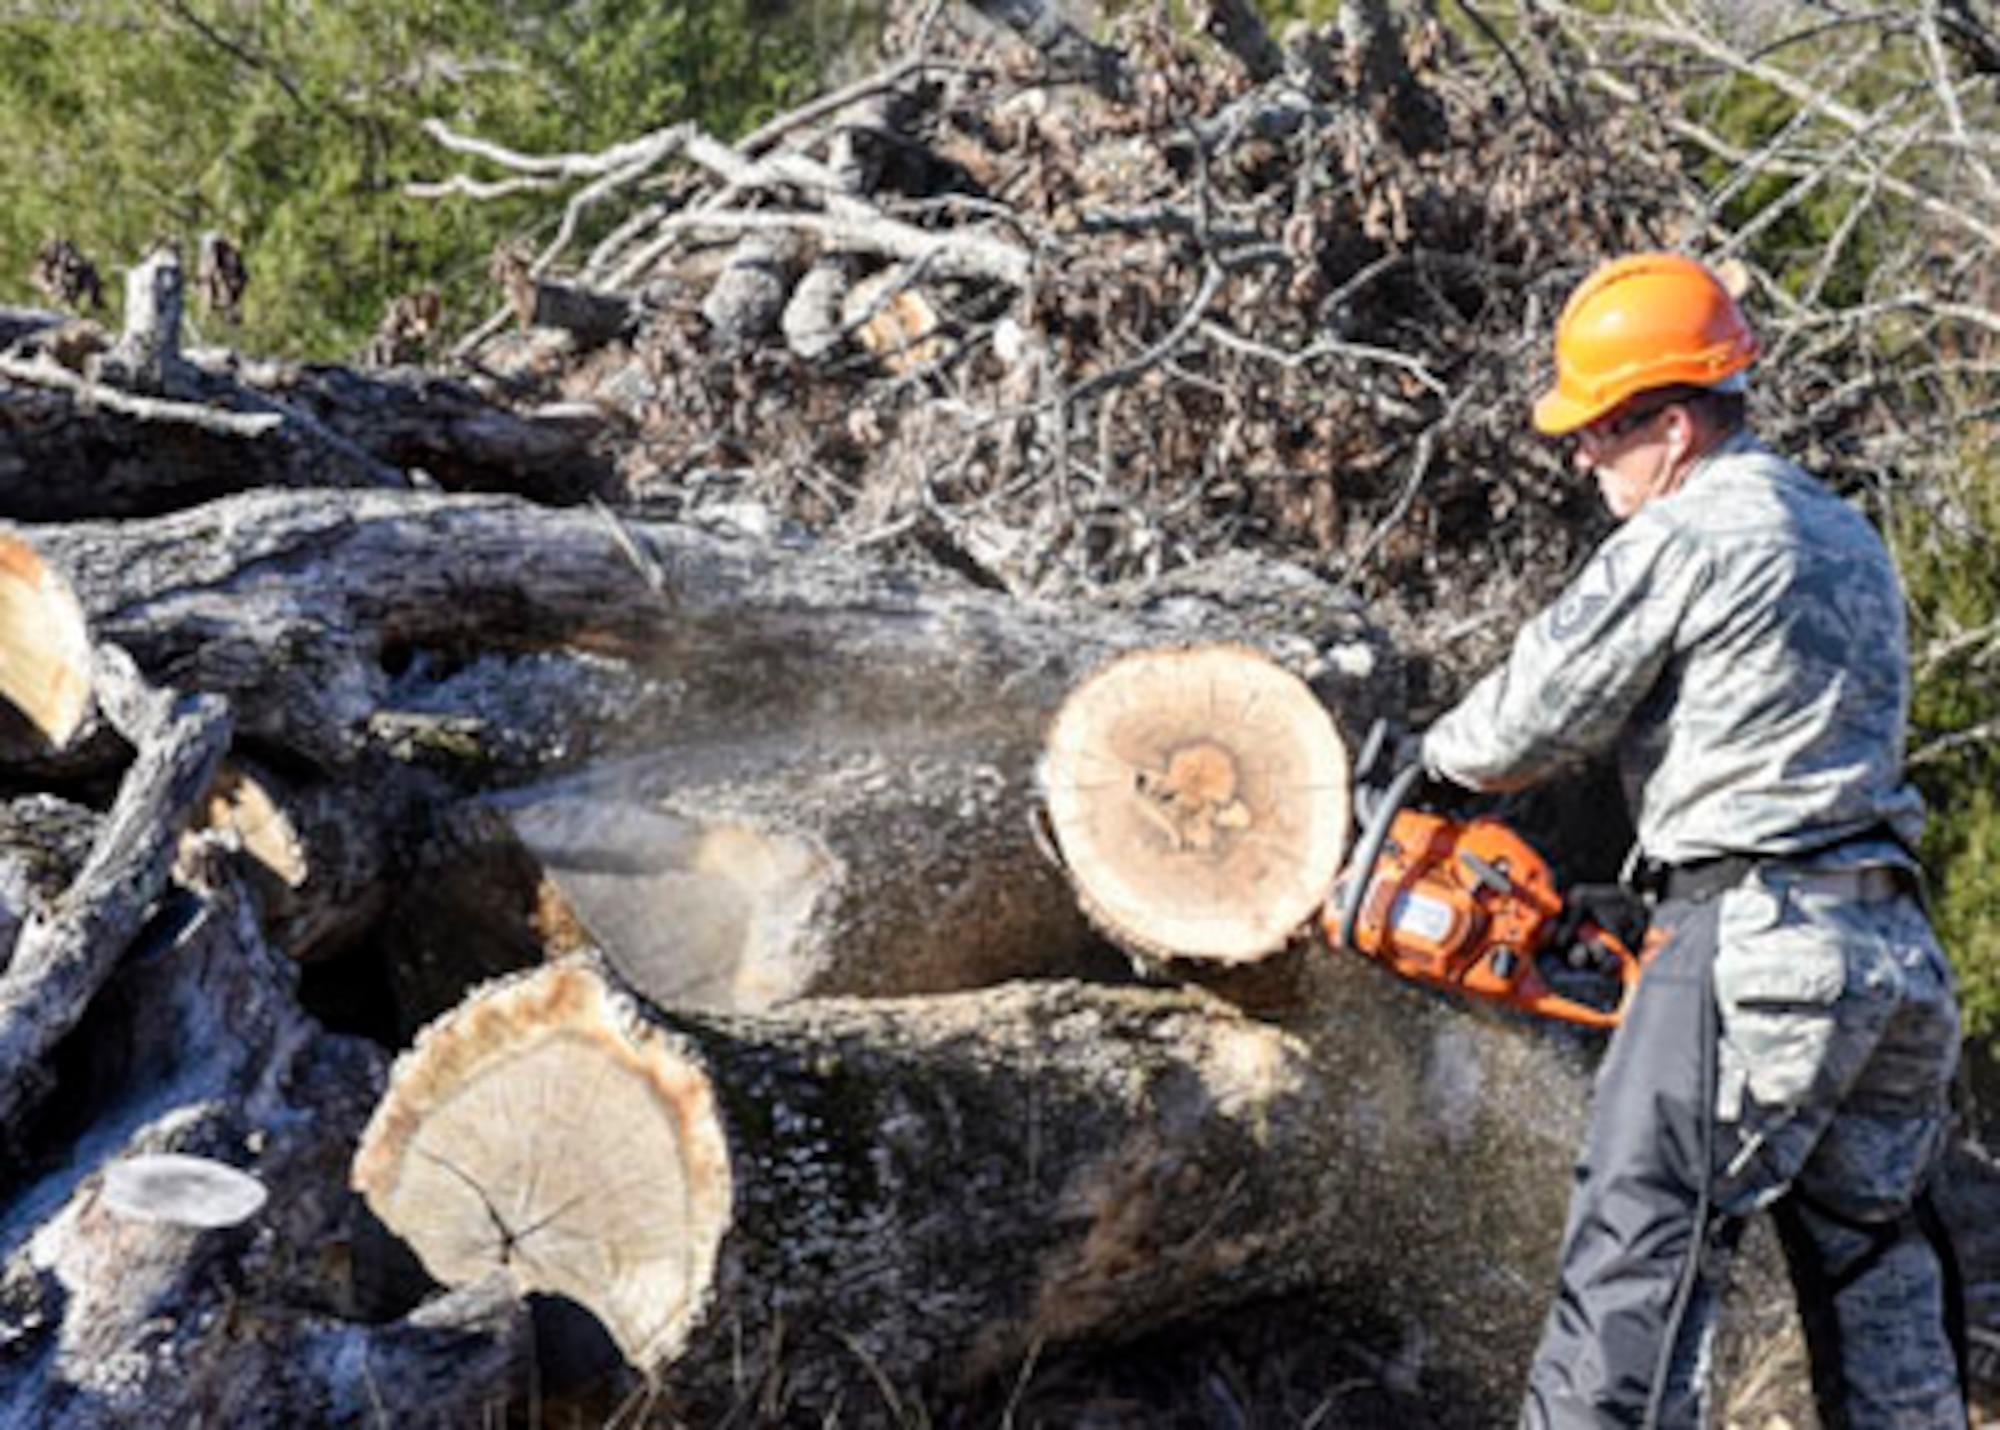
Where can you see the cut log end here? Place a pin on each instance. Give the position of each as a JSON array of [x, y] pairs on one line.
[[44, 644], [734, 898], [545, 1131], [1200, 799], [239, 803]]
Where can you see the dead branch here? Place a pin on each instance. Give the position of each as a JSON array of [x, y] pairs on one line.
[[64, 953]]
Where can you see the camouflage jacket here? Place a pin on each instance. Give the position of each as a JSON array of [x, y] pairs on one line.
[[1741, 642]]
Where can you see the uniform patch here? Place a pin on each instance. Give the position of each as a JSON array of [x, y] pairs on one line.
[[1586, 598]]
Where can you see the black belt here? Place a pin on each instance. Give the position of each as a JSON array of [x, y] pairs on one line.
[[1696, 879], [1705, 878]]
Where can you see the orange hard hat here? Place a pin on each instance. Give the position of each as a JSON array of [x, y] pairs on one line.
[[1643, 321]]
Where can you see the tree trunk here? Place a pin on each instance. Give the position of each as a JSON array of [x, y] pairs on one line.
[[923, 1193], [296, 605]]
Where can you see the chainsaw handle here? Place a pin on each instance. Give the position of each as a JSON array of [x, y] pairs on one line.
[[1361, 869], [1535, 995]]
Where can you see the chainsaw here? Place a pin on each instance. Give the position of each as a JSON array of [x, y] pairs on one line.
[[1467, 905]]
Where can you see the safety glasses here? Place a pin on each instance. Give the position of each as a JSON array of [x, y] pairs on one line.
[[1608, 431]]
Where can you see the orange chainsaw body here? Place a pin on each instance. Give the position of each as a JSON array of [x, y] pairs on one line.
[[1467, 906]]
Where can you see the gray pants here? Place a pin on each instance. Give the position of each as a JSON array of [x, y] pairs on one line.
[[1791, 1046]]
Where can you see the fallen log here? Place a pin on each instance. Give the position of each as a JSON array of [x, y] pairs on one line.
[[296, 606], [850, 747], [457, 434], [922, 1193], [141, 427], [71, 450]]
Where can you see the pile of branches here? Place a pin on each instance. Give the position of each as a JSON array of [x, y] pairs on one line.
[[1067, 314]]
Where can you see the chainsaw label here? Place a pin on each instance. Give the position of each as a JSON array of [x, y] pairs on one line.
[[1421, 917]]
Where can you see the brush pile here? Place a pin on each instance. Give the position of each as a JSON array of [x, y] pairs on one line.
[[1066, 315], [1066, 336]]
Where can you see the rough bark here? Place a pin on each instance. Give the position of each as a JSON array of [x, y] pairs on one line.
[[71, 449], [926, 1192], [811, 320], [44, 841], [460, 436], [748, 295], [147, 356], [322, 859]]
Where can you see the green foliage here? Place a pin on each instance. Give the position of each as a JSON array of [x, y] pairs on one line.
[[292, 128], [1278, 13], [1950, 556]]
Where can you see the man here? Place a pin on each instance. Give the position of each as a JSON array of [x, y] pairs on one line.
[[1739, 640]]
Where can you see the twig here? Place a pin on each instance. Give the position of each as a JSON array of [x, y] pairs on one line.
[[1420, 467], [242, 54], [1325, 348], [770, 132], [1947, 96], [1931, 751], [1721, 148], [46, 372], [1839, 162], [479, 190], [1702, 40], [648, 149], [787, 170]]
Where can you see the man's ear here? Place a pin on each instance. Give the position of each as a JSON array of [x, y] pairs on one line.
[[1681, 430]]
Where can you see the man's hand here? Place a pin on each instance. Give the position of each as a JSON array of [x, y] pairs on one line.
[[1611, 907]]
